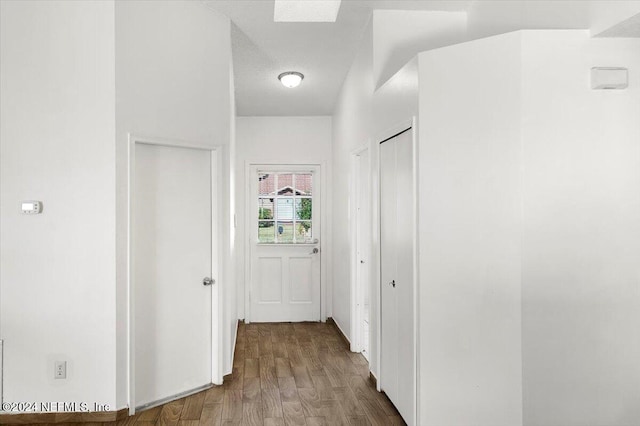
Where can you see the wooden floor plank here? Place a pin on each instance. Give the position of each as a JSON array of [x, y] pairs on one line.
[[252, 414], [288, 389], [232, 407], [374, 413], [316, 421], [211, 415], [283, 367], [170, 413], [274, 422], [215, 395], [302, 377], [251, 390], [268, 379], [271, 403], [150, 415], [193, 407]]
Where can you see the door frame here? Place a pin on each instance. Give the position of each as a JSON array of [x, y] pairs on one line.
[[400, 127], [357, 311], [217, 293], [248, 226]]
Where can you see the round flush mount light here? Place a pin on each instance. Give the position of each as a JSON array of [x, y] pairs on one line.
[[290, 79]]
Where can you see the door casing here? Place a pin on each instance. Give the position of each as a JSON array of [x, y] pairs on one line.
[[217, 295]]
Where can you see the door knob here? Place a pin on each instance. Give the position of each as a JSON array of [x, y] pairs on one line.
[[314, 251], [393, 283], [208, 281]]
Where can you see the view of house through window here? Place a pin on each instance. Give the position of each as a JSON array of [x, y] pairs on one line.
[[284, 208]]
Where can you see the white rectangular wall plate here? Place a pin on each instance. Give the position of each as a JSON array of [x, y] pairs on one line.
[[31, 207], [609, 78]]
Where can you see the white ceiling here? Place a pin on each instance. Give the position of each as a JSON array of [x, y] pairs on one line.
[[323, 52]]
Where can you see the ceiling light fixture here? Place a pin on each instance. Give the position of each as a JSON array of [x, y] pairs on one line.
[[291, 79]]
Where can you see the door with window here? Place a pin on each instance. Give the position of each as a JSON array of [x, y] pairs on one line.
[[284, 218]]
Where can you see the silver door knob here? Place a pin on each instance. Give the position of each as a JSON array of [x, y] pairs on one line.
[[208, 281], [393, 283], [314, 251]]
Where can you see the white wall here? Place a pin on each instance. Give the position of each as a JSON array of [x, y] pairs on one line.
[[398, 35], [469, 234], [174, 81], [280, 140], [528, 233], [581, 235], [351, 129], [57, 97]]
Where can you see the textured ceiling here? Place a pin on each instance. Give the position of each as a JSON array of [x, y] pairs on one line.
[[323, 52]]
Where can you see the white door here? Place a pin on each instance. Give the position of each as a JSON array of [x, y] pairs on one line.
[[398, 371], [171, 241], [284, 218], [363, 244]]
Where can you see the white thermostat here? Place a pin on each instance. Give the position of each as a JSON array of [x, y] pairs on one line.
[[31, 207]]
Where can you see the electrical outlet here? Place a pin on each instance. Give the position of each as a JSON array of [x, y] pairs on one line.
[[60, 371]]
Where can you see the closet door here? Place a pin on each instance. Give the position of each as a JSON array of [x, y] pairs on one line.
[[398, 363]]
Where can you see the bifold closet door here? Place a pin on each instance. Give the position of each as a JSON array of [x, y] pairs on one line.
[[398, 367]]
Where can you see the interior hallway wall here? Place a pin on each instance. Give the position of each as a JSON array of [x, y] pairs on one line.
[[528, 236], [174, 85], [469, 225], [281, 140], [57, 130], [351, 129], [581, 235]]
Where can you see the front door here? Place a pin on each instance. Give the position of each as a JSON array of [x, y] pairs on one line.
[[284, 214], [171, 241]]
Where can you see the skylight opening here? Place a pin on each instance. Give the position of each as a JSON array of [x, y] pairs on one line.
[[306, 10]]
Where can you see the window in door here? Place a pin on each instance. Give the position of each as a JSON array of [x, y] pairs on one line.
[[284, 208]]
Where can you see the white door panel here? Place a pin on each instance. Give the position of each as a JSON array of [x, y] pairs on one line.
[[405, 232], [285, 256], [172, 254], [363, 244], [389, 316], [398, 372]]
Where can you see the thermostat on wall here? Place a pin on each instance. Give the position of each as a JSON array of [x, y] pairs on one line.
[[32, 207]]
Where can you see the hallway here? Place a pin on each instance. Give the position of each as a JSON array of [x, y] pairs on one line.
[[285, 374]]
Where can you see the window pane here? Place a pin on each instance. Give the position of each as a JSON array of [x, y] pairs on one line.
[[266, 231], [266, 184], [304, 184], [265, 208], [285, 232], [304, 232], [285, 185], [285, 209], [303, 209]]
